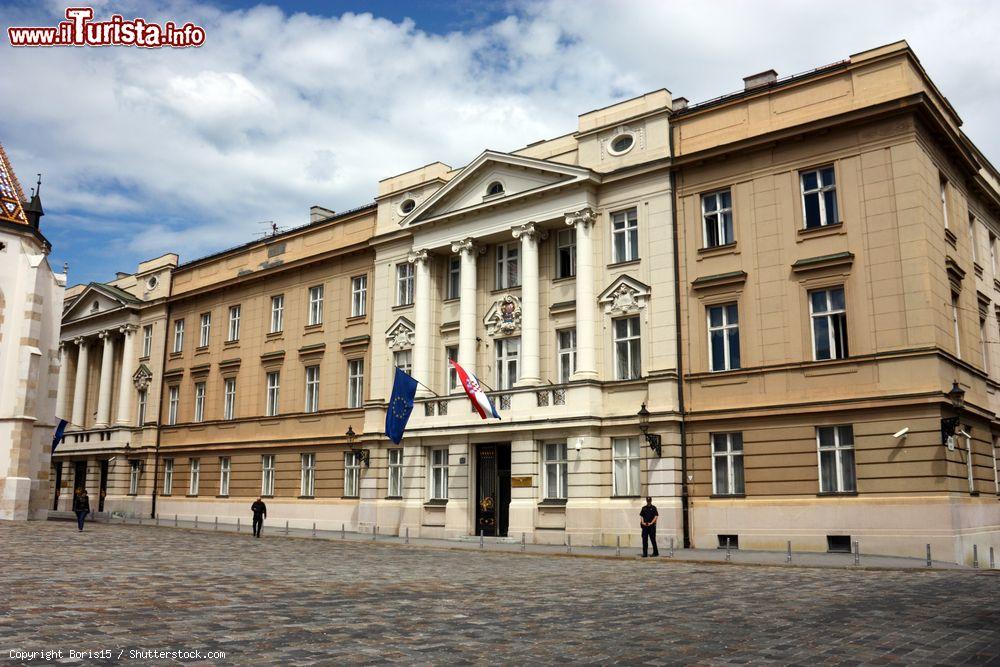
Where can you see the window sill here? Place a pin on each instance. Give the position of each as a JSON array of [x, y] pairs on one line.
[[191, 495], [552, 502], [950, 237], [403, 306], [175, 355], [502, 290], [201, 349], [978, 269], [314, 327], [223, 496], [263, 495], [273, 335], [231, 343], [625, 497], [629, 262], [306, 497], [436, 502], [727, 249], [394, 497], [723, 496], [822, 230], [166, 495], [563, 279], [827, 494], [348, 497], [356, 318], [144, 357], [451, 299]]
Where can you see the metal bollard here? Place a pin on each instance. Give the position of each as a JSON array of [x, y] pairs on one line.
[[929, 561], [374, 531], [157, 519], [788, 556], [728, 555], [975, 556], [522, 542], [569, 544], [195, 520], [618, 545], [406, 540], [140, 521], [857, 553], [314, 529], [343, 531], [216, 523], [992, 562], [481, 545], [175, 521], [286, 526], [237, 524], [671, 547]]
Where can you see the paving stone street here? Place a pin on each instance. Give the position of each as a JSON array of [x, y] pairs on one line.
[[280, 600]]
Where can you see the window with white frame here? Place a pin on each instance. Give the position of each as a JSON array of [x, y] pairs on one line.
[[724, 337], [508, 357], [273, 389], [404, 284], [819, 197], [307, 485], [450, 374], [727, 464], [316, 305], [229, 404], [566, 352], [972, 237], [168, 476], [955, 325], [277, 313], [267, 475], [195, 476], [147, 340], [454, 290], [173, 401], [625, 468], [199, 401], [225, 468], [829, 323], [178, 336], [983, 343], [395, 473], [566, 253], [717, 219], [403, 360], [141, 418], [625, 235], [836, 459], [944, 198], [554, 461], [352, 474], [359, 295], [205, 330], [234, 323], [135, 468], [508, 265], [312, 389], [628, 364], [439, 474], [355, 382]]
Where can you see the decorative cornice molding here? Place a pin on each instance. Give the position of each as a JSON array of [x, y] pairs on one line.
[[583, 217]]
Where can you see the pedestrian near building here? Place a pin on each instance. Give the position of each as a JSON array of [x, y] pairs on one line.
[[648, 517], [259, 510], [81, 505]]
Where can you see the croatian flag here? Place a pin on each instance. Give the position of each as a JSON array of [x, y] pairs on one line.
[[480, 401]]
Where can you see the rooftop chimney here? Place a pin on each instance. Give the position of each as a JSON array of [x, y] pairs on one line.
[[759, 80], [679, 103], [317, 213]]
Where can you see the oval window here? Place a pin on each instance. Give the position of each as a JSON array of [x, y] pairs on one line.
[[495, 188], [622, 144], [407, 206], [151, 283]]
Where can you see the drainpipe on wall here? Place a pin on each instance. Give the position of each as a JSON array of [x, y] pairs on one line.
[[159, 404]]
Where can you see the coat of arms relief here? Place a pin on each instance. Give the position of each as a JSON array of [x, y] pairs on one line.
[[504, 316]]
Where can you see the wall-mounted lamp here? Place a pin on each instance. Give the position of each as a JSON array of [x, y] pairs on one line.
[[949, 425], [653, 439], [579, 444], [363, 454]]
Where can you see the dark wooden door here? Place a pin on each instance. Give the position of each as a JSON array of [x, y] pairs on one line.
[[492, 489], [104, 485], [79, 476]]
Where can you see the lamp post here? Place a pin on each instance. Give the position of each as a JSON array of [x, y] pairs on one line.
[[653, 439], [363, 454], [949, 425]]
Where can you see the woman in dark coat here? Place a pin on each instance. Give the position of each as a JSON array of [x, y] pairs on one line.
[[81, 505]]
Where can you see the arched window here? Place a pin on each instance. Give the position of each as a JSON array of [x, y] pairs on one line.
[[494, 188]]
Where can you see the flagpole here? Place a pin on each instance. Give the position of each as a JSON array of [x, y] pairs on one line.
[[426, 387]]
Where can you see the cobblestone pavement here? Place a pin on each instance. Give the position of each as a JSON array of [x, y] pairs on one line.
[[299, 601]]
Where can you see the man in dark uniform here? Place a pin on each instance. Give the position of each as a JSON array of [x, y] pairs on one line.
[[259, 510], [648, 517]]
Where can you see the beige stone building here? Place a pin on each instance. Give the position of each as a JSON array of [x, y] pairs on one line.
[[838, 274]]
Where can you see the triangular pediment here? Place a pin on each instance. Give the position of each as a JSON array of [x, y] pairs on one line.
[[98, 298], [399, 336], [518, 176], [624, 296]]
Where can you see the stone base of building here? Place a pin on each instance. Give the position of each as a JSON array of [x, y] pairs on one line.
[[17, 496]]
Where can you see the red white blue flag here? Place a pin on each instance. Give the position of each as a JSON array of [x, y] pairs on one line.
[[480, 401]]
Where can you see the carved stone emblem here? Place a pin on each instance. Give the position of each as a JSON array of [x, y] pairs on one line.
[[625, 296], [400, 334], [142, 377], [504, 317]]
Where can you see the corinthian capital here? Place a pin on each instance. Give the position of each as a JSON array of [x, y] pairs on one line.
[[464, 246], [107, 333], [583, 217], [530, 231], [418, 257]]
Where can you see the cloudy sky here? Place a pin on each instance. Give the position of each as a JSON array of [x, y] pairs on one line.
[[290, 104]]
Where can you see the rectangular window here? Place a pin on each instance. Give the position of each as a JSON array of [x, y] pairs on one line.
[[403, 360], [195, 477], [199, 401], [395, 473], [566, 351], [829, 323], [717, 219], [727, 459], [724, 337], [352, 474], [993, 254], [944, 198], [404, 284], [316, 305], [147, 340], [168, 476], [972, 237], [439, 474], [819, 197], [625, 469], [508, 352], [234, 322], [273, 389], [355, 382], [205, 330], [954, 325], [627, 359], [229, 405], [267, 475], [135, 467], [508, 265], [225, 467], [566, 253], [307, 484], [555, 470], [277, 313], [141, 419], [312, 389], [359, 295], [625, 235], [178, 335], [174, 399], [836, 459], [984, 344], [450, 374], [454, 277]]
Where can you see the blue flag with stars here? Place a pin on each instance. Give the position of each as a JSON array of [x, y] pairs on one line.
[[404, 388]]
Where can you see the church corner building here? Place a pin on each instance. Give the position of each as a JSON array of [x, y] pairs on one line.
[[795, 284]]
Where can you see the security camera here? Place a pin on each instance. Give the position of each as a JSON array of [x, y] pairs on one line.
[[901, 433]]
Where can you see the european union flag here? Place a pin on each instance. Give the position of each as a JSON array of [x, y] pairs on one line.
[[57, 436], [404, 388]]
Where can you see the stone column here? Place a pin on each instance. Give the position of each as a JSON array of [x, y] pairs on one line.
[[62, 391], [467, 304], [422, 314], [80, 383], [104, 393], [586, 305], [125, 389], [529, 236]]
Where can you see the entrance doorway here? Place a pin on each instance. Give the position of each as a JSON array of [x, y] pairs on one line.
[[492, 489], [79, 476], [57, 466], [104, 485]]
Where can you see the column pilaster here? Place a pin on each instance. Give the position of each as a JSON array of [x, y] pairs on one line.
[[80, 383], [125, 389], [107, 366], [586, 305], [529, 236], [467, 250], [62, 391], [422, 314]]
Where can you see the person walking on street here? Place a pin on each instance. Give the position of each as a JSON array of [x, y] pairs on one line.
[[259, 510], [647, 520], [81, 505]]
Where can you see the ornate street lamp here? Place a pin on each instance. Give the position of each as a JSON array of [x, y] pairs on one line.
[[949, 425], [363, 454], [653, 439], [956, 396]]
